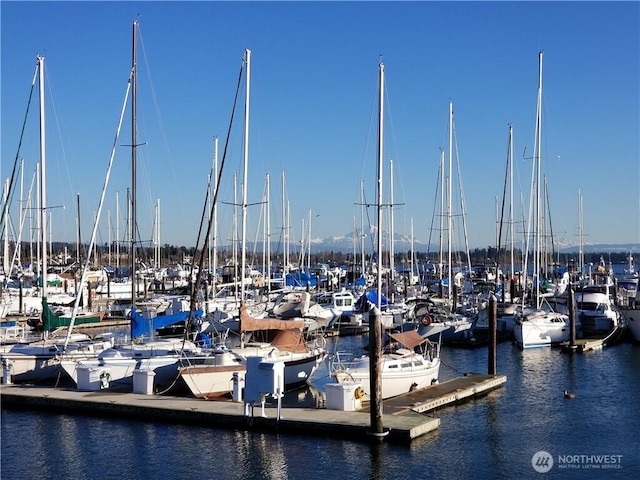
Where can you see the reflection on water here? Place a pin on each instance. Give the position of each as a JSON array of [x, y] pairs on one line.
[[494, 436]]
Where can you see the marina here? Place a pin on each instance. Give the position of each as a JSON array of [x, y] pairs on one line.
[[490, 341]]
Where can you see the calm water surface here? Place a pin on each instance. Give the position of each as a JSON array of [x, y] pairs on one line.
[[495, 436]]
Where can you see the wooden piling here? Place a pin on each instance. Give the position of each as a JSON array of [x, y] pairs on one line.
[[572, 318], [20, 296], [493, 334], [375, 370]]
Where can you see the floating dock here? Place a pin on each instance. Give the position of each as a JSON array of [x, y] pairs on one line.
[[402, 415], [442, 394], [590, 344]]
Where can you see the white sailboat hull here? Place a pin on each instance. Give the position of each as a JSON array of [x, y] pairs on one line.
[[215, 377], [542, 329], [120, 370], [400, 373], [37, 361]]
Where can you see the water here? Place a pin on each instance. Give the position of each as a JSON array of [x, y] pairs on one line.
[[495, 436]]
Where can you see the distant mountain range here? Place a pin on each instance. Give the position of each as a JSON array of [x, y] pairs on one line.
[[403, 243]]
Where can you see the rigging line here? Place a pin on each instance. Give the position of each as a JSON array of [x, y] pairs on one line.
[[49, 84], [213, 204], [372, 114], [546, 191], [219, 176], [463, 211], [504, 194], [395, 143], [154, 97], [371, 237], [96, 223], [23, 216], [435, 203], [9, 197]]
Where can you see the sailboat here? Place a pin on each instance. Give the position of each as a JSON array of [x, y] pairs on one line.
[[162, 356], [212, 376], [286, 343], [36, 361], [539, 325], [438, 316], [402, 367], [507, 303], [627, 283]]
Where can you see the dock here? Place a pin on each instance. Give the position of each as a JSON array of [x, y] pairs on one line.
[[591, 344], [403, 416], [452, 391]]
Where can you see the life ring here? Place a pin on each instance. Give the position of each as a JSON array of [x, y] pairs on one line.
[[426, 320], [359, 393]]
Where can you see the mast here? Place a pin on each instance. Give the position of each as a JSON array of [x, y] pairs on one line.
[[117, 231], [285, 235], [511, 199], [375, 324], [156, 250], [43, 180], [109, 236], [302, 247], [537, 160], [580, 235], [247, 60], [6, 269], [134, 138], [355, 250], [39, 220], [442, 218], [268, 235], [412, 260], [449, 202], [391, 227], [234, 232], [363, 260], [79, 229], [379, 180], [214, 242], [309, 244], [21, 216]]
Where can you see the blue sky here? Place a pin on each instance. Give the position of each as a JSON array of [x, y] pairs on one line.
[[313, 109]]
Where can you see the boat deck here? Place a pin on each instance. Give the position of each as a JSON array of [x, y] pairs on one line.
[[402, 417]]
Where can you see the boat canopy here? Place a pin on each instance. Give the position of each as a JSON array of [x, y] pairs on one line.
[[370, 296], [300, 279], [410, 339], [141, 325], [250, 324]]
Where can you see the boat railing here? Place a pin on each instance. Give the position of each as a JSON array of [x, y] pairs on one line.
[[340, 361], [316, 341]]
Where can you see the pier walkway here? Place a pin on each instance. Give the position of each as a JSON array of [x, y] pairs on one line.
[[402, 415]]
